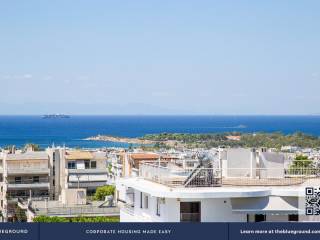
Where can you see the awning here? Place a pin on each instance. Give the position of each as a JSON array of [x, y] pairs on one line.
[[265, 205], [87, 177]]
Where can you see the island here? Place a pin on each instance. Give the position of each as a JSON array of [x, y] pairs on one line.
[[107, 138], [210, 140]]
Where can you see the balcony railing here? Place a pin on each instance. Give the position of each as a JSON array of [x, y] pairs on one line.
[[77, 211], [178, 177], [87, 170], [28, 183], [27, 169], [86, 184], [190, 217], [28, 180], [208, 177]]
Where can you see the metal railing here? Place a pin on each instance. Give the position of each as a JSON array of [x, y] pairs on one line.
[[28, 180], [77, 211], [207, 177], [87, 170], [178, 177], [190, 217]]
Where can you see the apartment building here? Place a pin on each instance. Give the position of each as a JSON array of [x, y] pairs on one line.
[[25, 175], [254, 188], [45, 176], [83, 169], [125, 164]]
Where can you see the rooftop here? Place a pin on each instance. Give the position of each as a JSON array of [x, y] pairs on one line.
[[161, 190], [56, 208], [144, 156], [28, 156], [175, 176], [78, 155]]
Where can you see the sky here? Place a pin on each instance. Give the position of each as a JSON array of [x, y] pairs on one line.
[[159, 57]]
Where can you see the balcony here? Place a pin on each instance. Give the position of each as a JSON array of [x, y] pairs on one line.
[[27, 170], [42, 183], [86, 184], [56, 208], [87, 171], [190, 217]]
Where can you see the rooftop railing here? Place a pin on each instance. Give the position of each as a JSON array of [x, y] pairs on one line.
[[212, 177], [77, 211], [178, 177]]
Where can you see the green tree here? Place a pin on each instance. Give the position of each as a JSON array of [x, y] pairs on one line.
[[20, 214], [104, 191], [301, 165], [33, 146]]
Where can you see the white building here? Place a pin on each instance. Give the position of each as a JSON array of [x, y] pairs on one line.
[[163, 193]]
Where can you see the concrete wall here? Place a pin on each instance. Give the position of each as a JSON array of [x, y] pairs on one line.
[[212, 210], [241, 162], [272, 165]]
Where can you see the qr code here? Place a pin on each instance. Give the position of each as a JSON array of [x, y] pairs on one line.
[[312, 201]]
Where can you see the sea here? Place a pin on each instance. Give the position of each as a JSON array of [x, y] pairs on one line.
[[70, 132]]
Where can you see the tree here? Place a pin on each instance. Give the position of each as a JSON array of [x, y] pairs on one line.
[[104, 191], [34, 147], [20, 214], [301, 165], [302, 161]]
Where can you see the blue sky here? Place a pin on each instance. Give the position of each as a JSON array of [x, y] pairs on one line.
[[159, 57]]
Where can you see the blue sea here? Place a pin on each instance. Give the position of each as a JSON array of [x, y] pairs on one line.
[[19, 130]]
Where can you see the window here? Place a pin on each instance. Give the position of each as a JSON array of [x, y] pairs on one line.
[[53, 156], [146, 202], [72, 165], [93, 164], [54, 171], [259, 218], [17, 180], [35, 179], [293, 217], [158, 206], [141, 199], [190, 211], [86, 164]]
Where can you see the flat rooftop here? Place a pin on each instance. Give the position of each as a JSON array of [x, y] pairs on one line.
[[225, 191], [28, 156]]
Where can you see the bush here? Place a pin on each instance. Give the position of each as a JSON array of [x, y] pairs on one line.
[[104, 191], [48, 219]]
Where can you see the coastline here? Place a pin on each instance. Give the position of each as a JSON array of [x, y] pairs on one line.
[[106, 138]]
